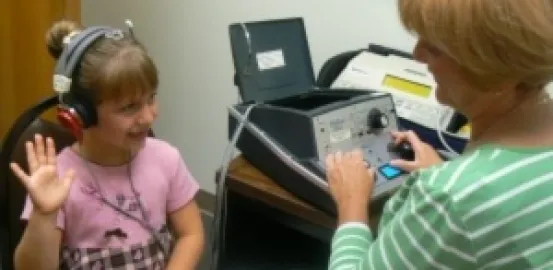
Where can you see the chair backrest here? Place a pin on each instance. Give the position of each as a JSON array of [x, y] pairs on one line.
[[12, 192], [15, 191], [333, 67]]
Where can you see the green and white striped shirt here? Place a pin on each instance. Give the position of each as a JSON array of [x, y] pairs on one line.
[[489, 209]]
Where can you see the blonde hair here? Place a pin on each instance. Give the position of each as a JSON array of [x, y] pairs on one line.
[[110, 68], [492, 40]]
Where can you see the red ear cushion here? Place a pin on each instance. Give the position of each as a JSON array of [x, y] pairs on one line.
[[71, 121]]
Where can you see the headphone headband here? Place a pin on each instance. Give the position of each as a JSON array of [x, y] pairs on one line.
[[74, 51], [77, 112]]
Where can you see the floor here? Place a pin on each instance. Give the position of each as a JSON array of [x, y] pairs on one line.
[[254, 241]]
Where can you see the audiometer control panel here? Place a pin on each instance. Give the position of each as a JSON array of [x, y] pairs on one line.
[[366, 126]]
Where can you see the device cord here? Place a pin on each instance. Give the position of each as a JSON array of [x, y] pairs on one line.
[[440, 131], [247, 36], [221, 192], [221, 198]]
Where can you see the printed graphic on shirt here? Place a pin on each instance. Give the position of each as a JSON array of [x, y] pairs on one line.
[[127, 203]]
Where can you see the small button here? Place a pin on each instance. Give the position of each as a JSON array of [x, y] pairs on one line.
[[390, 172]]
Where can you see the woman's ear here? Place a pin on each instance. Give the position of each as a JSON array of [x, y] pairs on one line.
[[525, 87], [508, 88]]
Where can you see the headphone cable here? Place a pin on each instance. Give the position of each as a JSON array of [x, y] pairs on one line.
[[143, 222]]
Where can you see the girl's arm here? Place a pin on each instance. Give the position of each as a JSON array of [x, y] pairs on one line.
[[40, 245], [187, 223]]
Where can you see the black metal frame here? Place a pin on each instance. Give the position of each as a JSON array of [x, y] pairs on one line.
[[8, 241]]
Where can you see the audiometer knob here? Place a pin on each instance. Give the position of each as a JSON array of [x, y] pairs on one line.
[[377, 119]]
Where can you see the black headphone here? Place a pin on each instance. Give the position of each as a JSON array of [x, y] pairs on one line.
[[76, 111]]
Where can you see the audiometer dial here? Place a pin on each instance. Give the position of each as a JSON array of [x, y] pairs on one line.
[[377, 119]]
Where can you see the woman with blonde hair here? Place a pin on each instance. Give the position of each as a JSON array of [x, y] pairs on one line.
[[490, 208]]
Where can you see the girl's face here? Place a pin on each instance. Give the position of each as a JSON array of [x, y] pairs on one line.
[[123, 124]]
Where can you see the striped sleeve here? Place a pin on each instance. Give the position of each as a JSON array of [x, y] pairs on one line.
[[426, 233]]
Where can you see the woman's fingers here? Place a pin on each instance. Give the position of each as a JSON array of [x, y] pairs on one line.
[[50, 152], [330, 162], [405, 165], [357, 154], [411, 137], [332, 168], [40, 153], [372, 173], [338, 157], [415, 142], [399, 136]]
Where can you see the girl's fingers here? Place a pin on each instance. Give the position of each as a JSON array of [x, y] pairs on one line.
[[23, 177], [40, 153], [50, 151], [31, 157]]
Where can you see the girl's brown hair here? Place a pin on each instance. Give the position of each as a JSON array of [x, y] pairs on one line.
[[110, 68], [491, 39]]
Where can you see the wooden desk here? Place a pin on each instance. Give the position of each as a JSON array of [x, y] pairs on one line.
[[248, 181]]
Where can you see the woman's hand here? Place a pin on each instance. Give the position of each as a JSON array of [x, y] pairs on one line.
[[47, 192], [425, 155], [351, 183]]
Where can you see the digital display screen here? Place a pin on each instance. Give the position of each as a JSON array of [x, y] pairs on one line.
[[389, 171], [407, 86]]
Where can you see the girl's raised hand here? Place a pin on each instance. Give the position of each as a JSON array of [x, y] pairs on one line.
[[47, 192]]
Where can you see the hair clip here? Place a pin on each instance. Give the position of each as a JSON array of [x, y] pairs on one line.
[[68, 38], [130, 27], [115, 34]]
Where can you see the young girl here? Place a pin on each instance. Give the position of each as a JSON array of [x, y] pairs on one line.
[[107, 201]]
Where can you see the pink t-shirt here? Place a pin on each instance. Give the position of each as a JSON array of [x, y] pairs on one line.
[[161, 179]]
